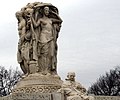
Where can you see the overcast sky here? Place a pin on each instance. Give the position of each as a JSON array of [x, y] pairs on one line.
[[89, 40]]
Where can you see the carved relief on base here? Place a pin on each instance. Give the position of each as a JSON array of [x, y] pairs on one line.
[[37, 89]]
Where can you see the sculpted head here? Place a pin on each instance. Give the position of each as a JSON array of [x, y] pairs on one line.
[[46, 11], [18, 14], [71, 76]]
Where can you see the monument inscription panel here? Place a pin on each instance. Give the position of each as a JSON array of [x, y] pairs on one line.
[[32, 96], [37, 96]]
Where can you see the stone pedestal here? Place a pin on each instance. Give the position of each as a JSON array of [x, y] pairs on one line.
[[38, 87], [37, 83]]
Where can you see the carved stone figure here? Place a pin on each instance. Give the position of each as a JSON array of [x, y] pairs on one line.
[[38, 25], [23, 47], [74, 90]]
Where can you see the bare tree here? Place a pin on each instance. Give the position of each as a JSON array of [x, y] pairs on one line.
[[8, 78], [108, 84]]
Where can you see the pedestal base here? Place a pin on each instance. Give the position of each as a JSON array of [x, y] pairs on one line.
[[37, 83]]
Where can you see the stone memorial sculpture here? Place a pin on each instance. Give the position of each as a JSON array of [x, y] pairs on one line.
[[38, 25], [38, 29], [74, 90]]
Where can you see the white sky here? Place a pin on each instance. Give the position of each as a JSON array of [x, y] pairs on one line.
[[89, 41]]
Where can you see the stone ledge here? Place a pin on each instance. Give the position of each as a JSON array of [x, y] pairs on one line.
[[107, 97], [49, 96]]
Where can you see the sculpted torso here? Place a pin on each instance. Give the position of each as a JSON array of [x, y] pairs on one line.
[[46, 30]]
